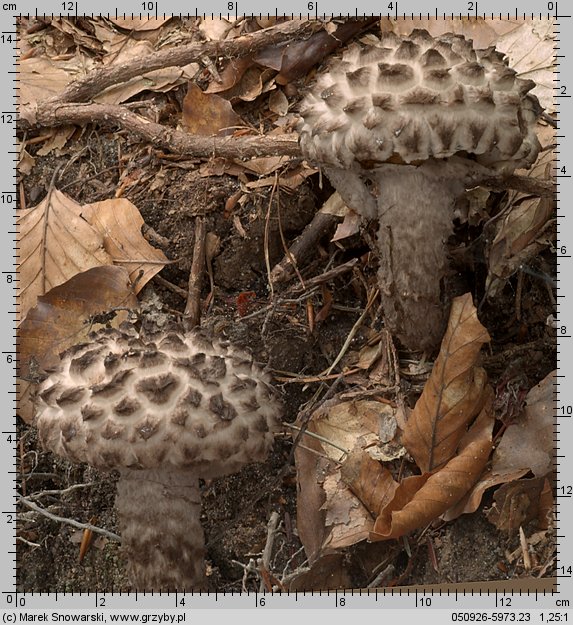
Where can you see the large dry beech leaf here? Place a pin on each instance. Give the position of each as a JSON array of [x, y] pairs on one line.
[[60, 320], [528, 443], [119, 222], [420, 499], [55, 245], [208, 114], [454, 393]]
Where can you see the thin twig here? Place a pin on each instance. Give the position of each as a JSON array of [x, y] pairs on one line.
[[193, 307], [63, 491], [265, 561], [353, 332], [59, 519]]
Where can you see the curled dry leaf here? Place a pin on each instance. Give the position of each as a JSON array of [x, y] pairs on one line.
[[328, 515], [520, 502], [58, 321], [208, 114], [528, 443], [55, 244], [454, 392], [422, 498], [470, 503], [119, 222]]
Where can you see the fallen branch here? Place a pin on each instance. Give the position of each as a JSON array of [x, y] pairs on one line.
[[99, 79], [163, 137]]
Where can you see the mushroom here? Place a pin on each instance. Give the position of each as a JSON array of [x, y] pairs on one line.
[[400, 126], [164, 408]]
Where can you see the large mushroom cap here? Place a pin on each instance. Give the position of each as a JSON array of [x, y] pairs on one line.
[[407, 99], [128, 400]]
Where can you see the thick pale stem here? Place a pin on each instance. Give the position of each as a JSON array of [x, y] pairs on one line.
[[159, 515], [415, 211]]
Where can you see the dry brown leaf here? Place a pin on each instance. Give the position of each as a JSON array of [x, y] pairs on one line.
[[327, 573], [518, 503], [263, 165], [329, 516], [214, 28], [349, 227], [311, 468], [55, 244], [58, 321], [119, 222], [208, 114], [252, 83], [346, 517], [42, 78], [530, 50], [139, 23], [159, 80], [422, 498], [230, 75], [528, 443], [369, 481], [454, 392], [57, 139], [470, 503], [522, 233], [278, 102], [351, 425]]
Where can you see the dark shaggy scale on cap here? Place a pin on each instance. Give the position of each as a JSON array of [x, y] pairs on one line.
[[359, 104], [241, 384], [173, 342], [420, 96], [111, 361], [152, 358], [112, 431], [359, 77], [217, 368], [83, 362], [394, 75], [222, 408], [251, 404], [158, 388], [70, 396], [191, 398], [407, 51], [126, 406], [113, 387], [433, 59], [69, 430], [90, 412], [147, 428]]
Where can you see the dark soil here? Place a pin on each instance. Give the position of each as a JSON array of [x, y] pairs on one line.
[[236, 509]]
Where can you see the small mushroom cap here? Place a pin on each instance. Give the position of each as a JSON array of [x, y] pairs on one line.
[[173, 398], [407, 99]]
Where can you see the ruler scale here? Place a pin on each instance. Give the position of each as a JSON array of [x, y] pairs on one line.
[[536, 600]]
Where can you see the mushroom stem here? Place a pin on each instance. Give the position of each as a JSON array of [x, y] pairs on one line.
[[159, 516], [415, 212]]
